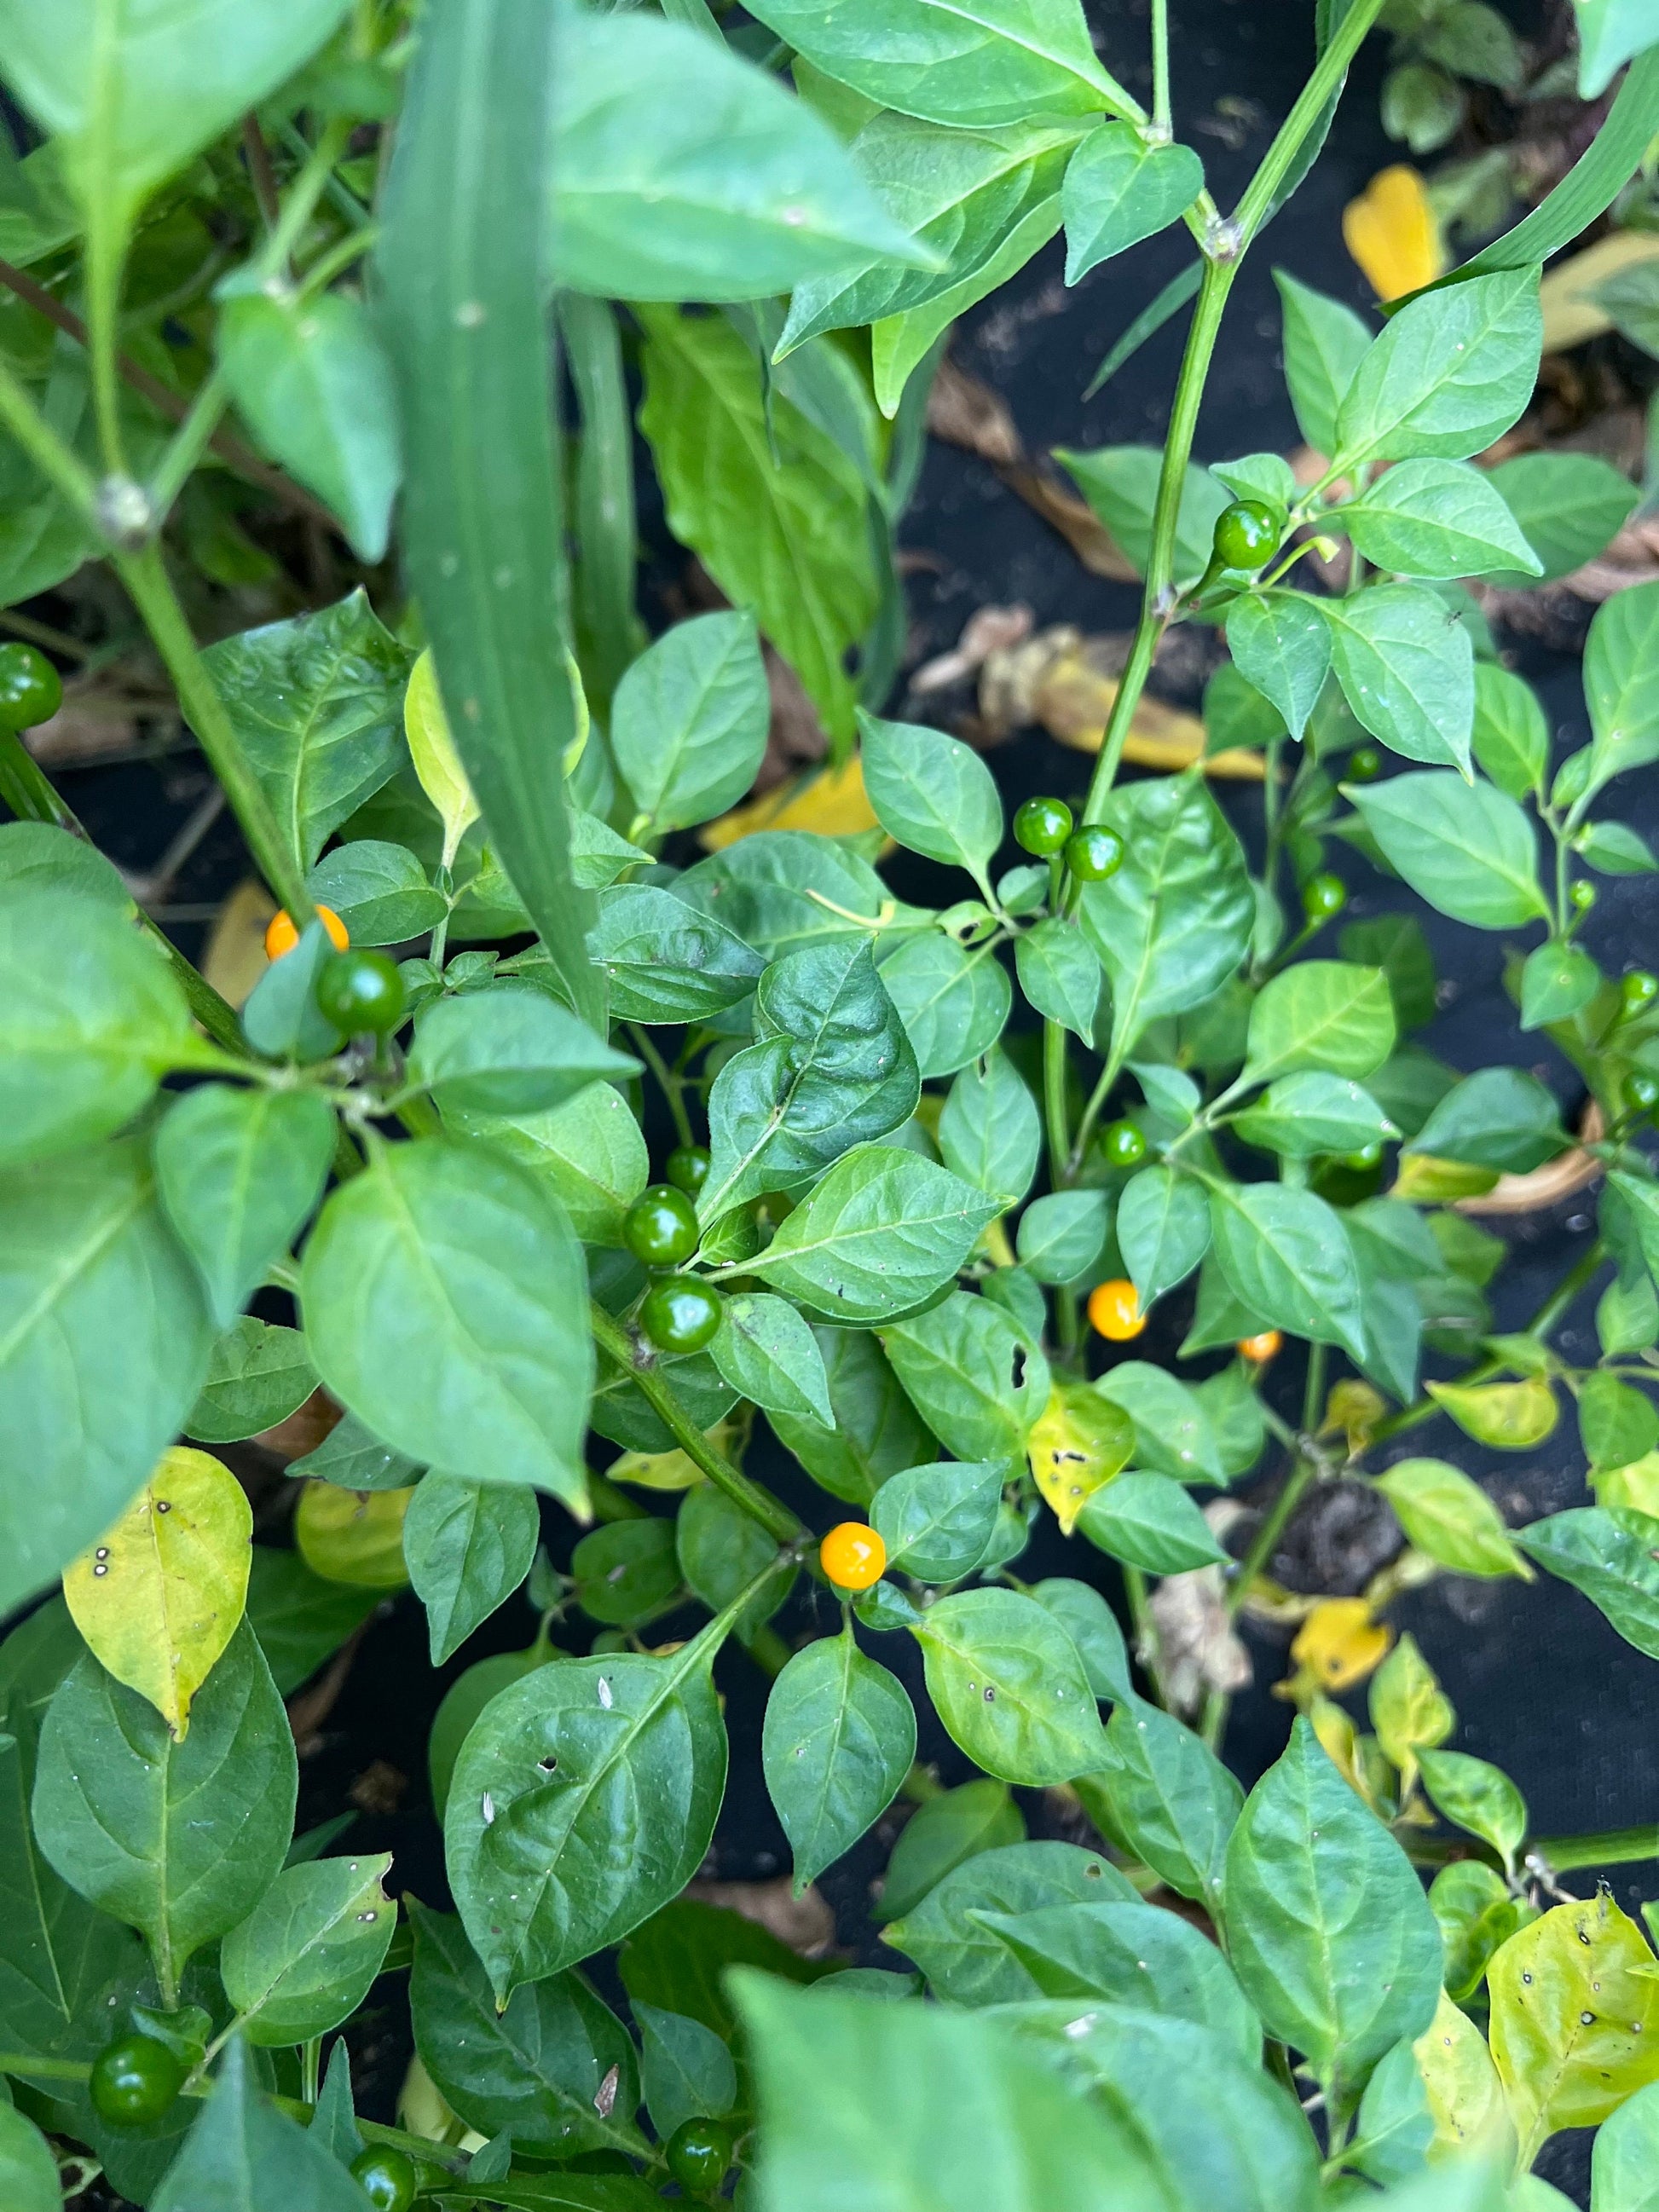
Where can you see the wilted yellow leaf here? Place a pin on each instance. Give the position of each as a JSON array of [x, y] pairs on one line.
[[1466, 2098], [1353, 1410], [1337, 1645], [353, 1535], [437, 763], [1078, 1443], [832, 802], [158, 1595], [1393, 233], [1338, 1738], [669, 1470], [1635, 1486], [1572, 312], [1074, 700], [235, 956]]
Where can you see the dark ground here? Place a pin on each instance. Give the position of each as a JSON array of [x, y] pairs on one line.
[[1542, 1684]]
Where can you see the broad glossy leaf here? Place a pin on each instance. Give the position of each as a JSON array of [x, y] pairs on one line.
[[989, 1131], [1061, 1236], [1121, 484], [680, 170], [1477, 1796], [1621, 662], [469, 1545], [1285, 1256], [104, 1343], [1165, 1797], [1574, 2018], [176, 1838], [1467, 849], [243, 2154], [28, 2169], [1006, 1682], [1607, 1554], [1570, 507], [1510, 1416], [1172, 1430], [782, 889], [874, 1430], [1625, 2157], [239, 1171], [158, 1598], [766, 1351], [932, 792], [937, 1521], [1449, 374], [1163, 1228], [509, 1049], [971, 1374], [317, 705], [1149, 1521], [1325, 343], [1406, 670], [687, 2070], [1281, 642], [1449, 1518], [304, 1959], [299, 1619], [627, 1572], [952, 1935], [952, 999], [1176, 918], [1136, 1955], [444, 1296], [353, 1537], [1118, 190], [1437, 518], [1090, 1622], [830, 1067], [355, 1459], [1557, 982], [438, 767], [839, 1739], [1617, 1423], [721, 1550], [1498, 1117], [882, 1231], [584, 1799], [1321, 1013], [591, 1151], [90, 1019], [380, 890], [1308, 1115], [689, 722], [257, 1376], [665, 961], [1060, 975]]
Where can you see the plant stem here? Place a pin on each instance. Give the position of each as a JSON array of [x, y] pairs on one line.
[[671, 1085], [1161, 64], [1145, 1628], [1054, 1103], [773, 1514]]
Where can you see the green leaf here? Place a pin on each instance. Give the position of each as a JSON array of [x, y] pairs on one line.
[[1406, 670], [1477, 1797], [1060, 975], [882, 1231], [779, 890], [1466, 849], [899, 342], [1308, 1115], [1063, 1235], [452, 1254], [874, 1430], [1090, 1622], [1325, 343], [1613, 849], [1621, 673], [1624, 2156], [954, 998], [1133, 1955], [942, 1834], [1557, 982], [39, 856], [1328, 1927], [536, 1861], [989, 1131], [104, 1344], [1328, 1014], [1511, 737], [1450, 374], [688, 2069], [509, 1049], [1449, 1518], [317, 706], [304, 1959], [1176, 918], [1500, 1117], [311, 379], [1570, 508], [1006, 1682], [590, 1151], [1172, 1431], [468, 1546], [932, 792], [831, 1067], [1164, 1795], [28, 2170], [721, 1550], [950, 1932], [354, 1459], [769, 1353], [1610, 32], [379, 890], [1287, 1259], [1163, 1230], [663, 961], [1121, 484], [990, 62], [1616, 1423], [179, 1839], [239, 1171], [689, 722], [627, 1572], [679, 170], [90, 1019], [299, 1619], [1437, 518], [839, 1738], [1118, 190], [244, 2155], [936, 1520], [1608, 1554], [530, 2068], [971, 1374], [258, 1376], [1149, 1521], [462, 292], [1575, 2019], [1281, 643], [787, 537]]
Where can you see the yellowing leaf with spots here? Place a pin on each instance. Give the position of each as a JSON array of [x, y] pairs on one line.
[[1076, 1444], [158, 1595], [437, 763], [353, 1535], [1466, 2098], [1336, 1646], [831, 804], [1575, 2019], [1393, 233]]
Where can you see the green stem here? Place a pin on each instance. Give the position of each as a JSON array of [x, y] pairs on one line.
[[1053, 1101], [300, 203], [773, 1514], [670, 1085], [1161, 64], [105, 254], [189, 442], [146, 579], [1091, 1112], [1145, 1628], [27, 2067]]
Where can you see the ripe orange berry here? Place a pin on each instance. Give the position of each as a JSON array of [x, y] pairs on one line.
[[1115, 1310], [1260, 1348], [282, 936], [853, 1556]]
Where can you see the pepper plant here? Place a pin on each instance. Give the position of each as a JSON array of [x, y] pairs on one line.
[[905, 1224]]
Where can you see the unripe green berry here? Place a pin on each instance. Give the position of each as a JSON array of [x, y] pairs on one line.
[[1122, 1145], [31, 689], [1638, 990], [1365, 764], [686, 1168], [660, 1227], [1247, 534], [1094, 852], [680, 1313], [1583, 894], [1323, 896], [1042, 825]]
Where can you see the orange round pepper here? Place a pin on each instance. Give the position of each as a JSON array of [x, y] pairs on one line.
[[853, 1556], [1115, 1310], [1260, 1348], [281, 935]]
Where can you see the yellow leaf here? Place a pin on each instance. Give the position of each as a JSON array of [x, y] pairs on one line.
[[1078, 1443], [1336, 1646], [1409, 1710], [1393, 233], [235, 956], [353, 1535], [1635, 1486], [158, 1597], [832, 802], [1354, 1409], [1338, 1738], [1508, 1416], [1074, 700], [1572, 312], [437, 763], [669, 1470], [1431, 1181], [1575, 2019], [1466, 2098]]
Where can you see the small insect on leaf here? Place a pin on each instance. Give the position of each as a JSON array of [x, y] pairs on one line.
[[158, 1595]]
